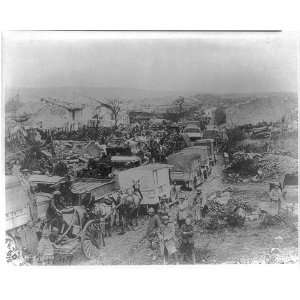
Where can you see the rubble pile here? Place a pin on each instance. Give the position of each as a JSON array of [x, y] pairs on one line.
[[273, 166], [245, 163], [242, 166], [222, 213], [254, 167]]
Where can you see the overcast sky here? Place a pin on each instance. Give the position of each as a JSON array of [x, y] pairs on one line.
[[255, 62]]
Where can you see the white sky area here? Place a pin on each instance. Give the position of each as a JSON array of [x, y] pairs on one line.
[[201, 62]]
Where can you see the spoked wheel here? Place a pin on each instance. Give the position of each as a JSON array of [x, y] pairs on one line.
[[92, 239]]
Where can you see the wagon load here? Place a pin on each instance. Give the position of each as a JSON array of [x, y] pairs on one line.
[[186, 164]]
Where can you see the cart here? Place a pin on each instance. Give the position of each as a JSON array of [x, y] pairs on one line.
[[26, 214], [84, 229]]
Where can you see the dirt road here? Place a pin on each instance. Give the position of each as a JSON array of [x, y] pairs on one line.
[[250, 244]]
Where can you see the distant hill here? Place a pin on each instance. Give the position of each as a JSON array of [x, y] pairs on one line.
[[76, 94], [241, 108], [265, 108]]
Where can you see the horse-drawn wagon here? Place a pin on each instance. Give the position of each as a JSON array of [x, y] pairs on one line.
[[28, 202]]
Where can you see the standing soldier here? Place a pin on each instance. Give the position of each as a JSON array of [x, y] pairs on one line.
[[182, 211], [167, 239], [276, 196], [152, 228], [197, 205], [163, 204], [187, 241]]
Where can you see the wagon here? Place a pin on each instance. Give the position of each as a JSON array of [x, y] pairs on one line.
[[84, 230], [26, 214], [84, 224]]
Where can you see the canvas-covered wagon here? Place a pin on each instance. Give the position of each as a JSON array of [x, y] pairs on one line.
[[154, 181], [95, 188], [211, 149], [187, 166]]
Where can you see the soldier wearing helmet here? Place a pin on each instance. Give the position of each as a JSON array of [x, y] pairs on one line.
[[153, 227], [167, 239]]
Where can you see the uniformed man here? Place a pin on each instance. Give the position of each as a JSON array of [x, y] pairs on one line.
[[182, 211], [187, 241], [167, 239], [163, 204], [198, 205], [152, 228], [276, 196]]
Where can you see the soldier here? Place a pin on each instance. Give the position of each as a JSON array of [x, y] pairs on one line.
[[163, 204], [187, 241], [182, 211], [276, 196], [167, 239], [197, 205], [152, 228]]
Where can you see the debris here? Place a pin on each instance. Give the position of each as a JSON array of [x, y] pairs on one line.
[[273, 166]]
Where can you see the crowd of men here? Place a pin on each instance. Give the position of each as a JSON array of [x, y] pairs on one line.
[[170, 229]]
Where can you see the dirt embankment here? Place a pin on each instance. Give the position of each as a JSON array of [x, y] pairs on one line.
[[263, 109]]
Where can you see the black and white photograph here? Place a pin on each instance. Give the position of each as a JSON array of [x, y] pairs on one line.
[[150, 147]]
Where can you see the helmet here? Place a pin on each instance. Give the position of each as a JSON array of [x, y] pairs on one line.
[[151, 210], [165, 218]]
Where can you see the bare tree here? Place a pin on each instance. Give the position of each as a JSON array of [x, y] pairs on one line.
[[115, 107]]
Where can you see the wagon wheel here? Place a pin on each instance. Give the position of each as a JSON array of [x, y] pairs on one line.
[[92, 239]]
